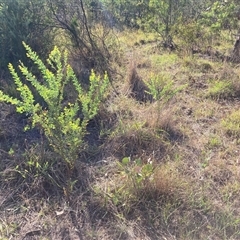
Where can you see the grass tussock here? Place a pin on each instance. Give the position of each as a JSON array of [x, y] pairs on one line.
[[220, 89], [231, 124], [135, 85]]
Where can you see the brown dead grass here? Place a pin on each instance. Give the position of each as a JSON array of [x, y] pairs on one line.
[[135, 86]]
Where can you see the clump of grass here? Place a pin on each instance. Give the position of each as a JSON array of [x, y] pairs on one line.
[[187, 61], [133, 138], [219, 89], [205, 66], [166, 182], [138, 181], [230, 191], [138, 88], [231, 124], [35, 170], [214, 142]]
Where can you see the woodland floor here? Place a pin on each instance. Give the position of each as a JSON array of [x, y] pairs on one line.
[[193, 142]]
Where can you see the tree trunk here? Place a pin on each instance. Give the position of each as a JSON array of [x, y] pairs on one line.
[[236, 51]]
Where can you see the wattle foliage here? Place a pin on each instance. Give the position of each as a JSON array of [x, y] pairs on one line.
[[59, 121]]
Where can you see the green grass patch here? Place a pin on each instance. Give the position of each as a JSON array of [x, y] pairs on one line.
[[220, 89], [164, 60], [214, 142], [231, 124]]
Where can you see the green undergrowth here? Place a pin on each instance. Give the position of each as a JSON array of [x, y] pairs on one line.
[[231, 124], [59, 118], [220, 89], [164, 60]]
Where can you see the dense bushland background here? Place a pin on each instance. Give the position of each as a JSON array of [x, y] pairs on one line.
[[119, 119]]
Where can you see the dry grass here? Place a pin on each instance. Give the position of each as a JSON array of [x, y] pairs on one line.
[[183, 179], [135, 85]]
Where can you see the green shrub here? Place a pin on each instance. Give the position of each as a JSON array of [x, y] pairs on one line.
[[59, 121], [162, 88]]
